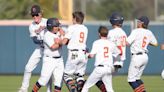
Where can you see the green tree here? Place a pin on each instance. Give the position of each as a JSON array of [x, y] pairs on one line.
[[20, 9], [15, 9], [101, 9]]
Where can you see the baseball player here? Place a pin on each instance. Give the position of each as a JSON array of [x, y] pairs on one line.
[[162, 74], [36, 33], [75, 67], [104, 51], [138, 40], [52, 59], [118, 37]]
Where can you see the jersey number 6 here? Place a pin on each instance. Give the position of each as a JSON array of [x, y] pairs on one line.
[[144, 42]]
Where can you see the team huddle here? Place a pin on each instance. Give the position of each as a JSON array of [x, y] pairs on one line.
[[109, 52]]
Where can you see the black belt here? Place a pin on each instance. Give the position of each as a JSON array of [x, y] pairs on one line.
[[54, 57], [139, 53], [100, 65], [76, 50]]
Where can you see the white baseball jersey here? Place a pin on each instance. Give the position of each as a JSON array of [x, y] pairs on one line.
[[118, 36], [140, 39], [48, 42], [104, 50], [77, 35], [36, 55], [76, 61], [35, 26], [52, 62]]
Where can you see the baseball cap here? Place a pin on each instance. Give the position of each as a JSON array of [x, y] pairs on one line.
[[35, 9], [144, 19]]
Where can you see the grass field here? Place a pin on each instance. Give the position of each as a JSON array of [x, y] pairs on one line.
[[11, 83]]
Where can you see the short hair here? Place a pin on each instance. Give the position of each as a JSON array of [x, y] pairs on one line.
[[103, 31], [79, 16]]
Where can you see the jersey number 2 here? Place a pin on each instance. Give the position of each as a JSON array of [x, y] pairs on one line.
[[106, 51], [81, 40]]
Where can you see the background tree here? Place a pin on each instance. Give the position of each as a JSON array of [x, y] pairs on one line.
[[101, 9]]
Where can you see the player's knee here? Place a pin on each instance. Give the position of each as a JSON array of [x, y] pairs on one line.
[[28, 68]]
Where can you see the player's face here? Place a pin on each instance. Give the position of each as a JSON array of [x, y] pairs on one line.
[[55, 29], [37, 17], [139, 24]]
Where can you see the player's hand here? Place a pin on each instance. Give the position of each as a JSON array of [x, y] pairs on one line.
[[61, 31], [58, 41], [117, 65], [40, 29]]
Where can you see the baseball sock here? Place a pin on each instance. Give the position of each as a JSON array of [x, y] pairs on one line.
[[36, 87], [101, 86], [57, 89], [141, 85], [71, 85], [80, 85], [135, 86]]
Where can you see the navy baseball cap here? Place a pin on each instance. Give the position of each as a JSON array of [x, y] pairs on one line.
[[35, 9], [144, 20]]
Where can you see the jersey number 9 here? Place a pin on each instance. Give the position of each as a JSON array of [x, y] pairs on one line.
[[81, 40]]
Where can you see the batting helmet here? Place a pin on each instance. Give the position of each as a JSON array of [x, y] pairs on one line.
[[116, 19], [52, 22], [144, 20]]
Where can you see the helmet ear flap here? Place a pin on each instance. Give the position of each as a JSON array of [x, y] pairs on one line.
[[49, 28]]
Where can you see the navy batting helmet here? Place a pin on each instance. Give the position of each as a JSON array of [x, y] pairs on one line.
[[116, 19], [144, 20], [52, 22]]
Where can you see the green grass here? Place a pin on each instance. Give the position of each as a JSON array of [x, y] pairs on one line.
[[11, 83]]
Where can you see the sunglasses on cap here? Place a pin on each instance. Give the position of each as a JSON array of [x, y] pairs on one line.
[[33, 15]]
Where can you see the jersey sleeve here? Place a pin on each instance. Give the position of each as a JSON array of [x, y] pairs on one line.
[[94, 48], [153, 40], [131, 37], [68, 33], [111, 37], [32, 31], [48, 40]]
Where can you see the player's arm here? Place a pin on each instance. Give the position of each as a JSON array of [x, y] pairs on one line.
[[67, 36], [131, 38], [33, 35], [51, 42], [36, 41], [153, 41], [65, 41], [55, 46], [93, 51], [40, 29], [154, 44]]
